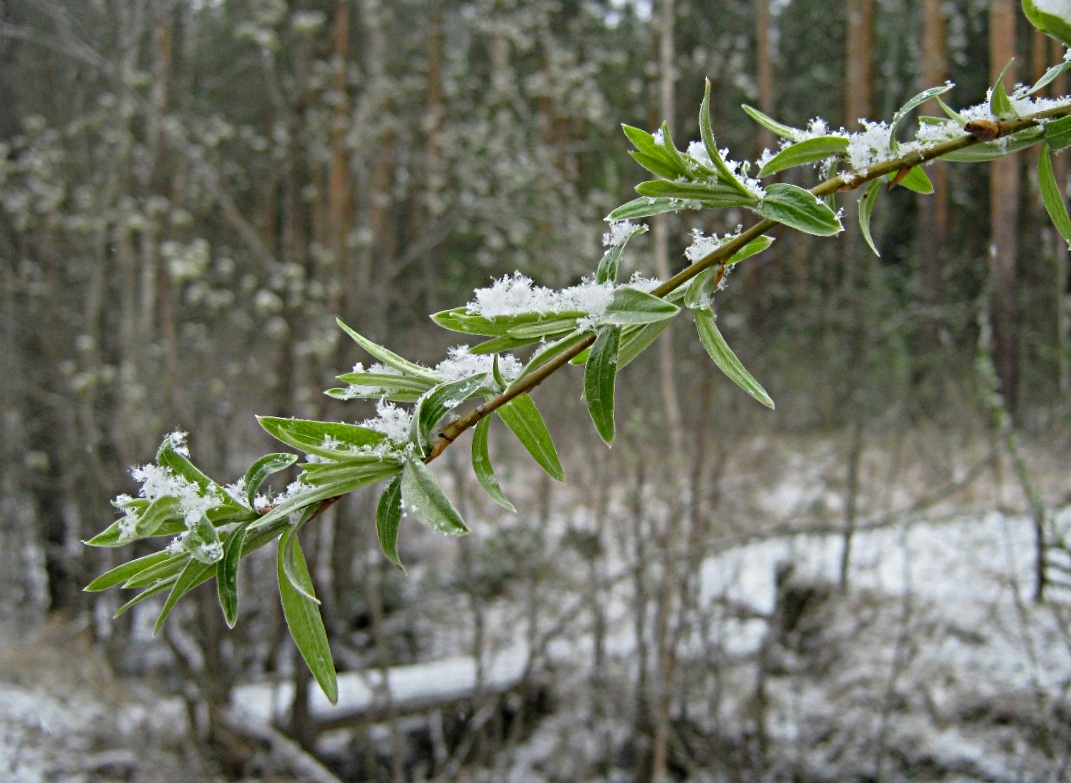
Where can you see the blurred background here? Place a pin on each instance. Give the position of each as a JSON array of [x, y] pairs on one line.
[[865, 584]]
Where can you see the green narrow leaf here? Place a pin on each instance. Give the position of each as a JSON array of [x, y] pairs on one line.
[[701, 288], [149, 592], [481, 464], [630, 306], [293, 560], [672, 153], [866, 208], [261, 469], [388, 520], [552, 325], [188, 579], [799, 209], [725, 359], [706, 130], [771, 124], [804, 152], [227, 574], [645, 206], [1052, 195], [642, 140], [600, 376], [125, 571], [659, 165], [1058, 133], [390, 358], [303, 617], [167, 569], [914, 103], [321, 437], [999, 103], [916, 181], [424, 499], [754, 247], [168, 457], [349, 482], [1049, 76], [708, 195], [952, 113], [524, 420], [445, 398], [607, 271]]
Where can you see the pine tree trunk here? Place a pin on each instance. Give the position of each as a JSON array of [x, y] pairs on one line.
[[1004, 216]]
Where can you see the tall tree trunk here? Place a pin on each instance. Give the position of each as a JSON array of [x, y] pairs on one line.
[[859, 79], [433, 149], [1004, 216], [339, 184], [932, 209], [765, 69], [858, 271]]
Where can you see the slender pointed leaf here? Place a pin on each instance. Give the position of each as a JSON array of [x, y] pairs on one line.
[[148, 592], [866, 208], [423, 498], [390, 358], [771, 124], [445, 398], [303, 616], [799, 209], [999, 103], [914, 103], [524, 420], [331, 439], [706, 130], [709, 194], [342, 486], [701, 288], [1049, 76], [125, 571], [481, 465], [600, 376], [261, 469], [642, 140], [659, 165], [1058, 132], [631, 306], [607, 270], [227, 575], [952, 113], [725, 359], [915, 180], [754, 247], [389, 519], [188, 579], [1052, 195], [804, 152], [645, 206]]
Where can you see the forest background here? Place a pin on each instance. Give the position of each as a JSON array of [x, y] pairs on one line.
[[192, 191]]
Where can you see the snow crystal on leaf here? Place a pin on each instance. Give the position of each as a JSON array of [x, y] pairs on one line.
[[517, 294], [392, 421], [620, 230], [462, 364], [702, 245], [871, 145]]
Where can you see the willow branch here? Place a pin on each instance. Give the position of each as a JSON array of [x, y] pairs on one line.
[[848, 180]]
